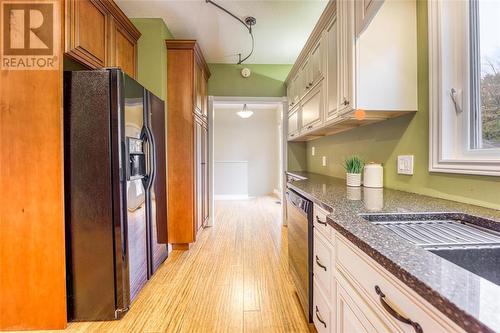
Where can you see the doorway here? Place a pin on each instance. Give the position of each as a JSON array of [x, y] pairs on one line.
[[245, 148]]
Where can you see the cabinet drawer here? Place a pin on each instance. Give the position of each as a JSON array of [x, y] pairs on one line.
[[322, 263], [365, 275], [354, 314], [322, 313], [320, 224]]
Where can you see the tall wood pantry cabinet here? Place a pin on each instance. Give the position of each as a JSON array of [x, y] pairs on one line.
[[187, 142]]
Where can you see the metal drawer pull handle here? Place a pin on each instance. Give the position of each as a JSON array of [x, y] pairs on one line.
[[416, 326], [310, 126], [319, 221], [320, 264], [319, 317]]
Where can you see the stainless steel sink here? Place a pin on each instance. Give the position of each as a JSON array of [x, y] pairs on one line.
[[451, 236]]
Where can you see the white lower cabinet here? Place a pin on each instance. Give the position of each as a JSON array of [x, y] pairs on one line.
[[322, 311], [352, 293], [354, 315]]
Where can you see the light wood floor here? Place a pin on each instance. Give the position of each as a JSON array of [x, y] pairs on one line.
[[235, 279]]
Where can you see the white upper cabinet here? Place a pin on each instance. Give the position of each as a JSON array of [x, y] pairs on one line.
[[361, 56], [331, 71], [345, 17], [316, 68], [365, 11], [386, 70], [312, 109], [293, 124]]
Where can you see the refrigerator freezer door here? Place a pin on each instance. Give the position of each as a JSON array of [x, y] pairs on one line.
[[88, 196], [158, 191], [137, 239]]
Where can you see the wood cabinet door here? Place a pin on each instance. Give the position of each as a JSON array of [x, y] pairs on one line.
[[198, 176], [204, 94], [123, 49], [198, 77], [86, 30], [205, 175]]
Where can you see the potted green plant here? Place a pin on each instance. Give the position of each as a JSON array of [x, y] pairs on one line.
[[353, 165]]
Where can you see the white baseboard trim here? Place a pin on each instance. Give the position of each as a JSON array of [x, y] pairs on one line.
[[277, 193], [231, 197]]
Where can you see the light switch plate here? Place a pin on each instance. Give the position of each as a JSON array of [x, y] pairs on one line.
[[405, 164], [313, 151], [324, 160]]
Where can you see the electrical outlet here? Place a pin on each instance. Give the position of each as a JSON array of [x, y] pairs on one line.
[[405, 164], [324, 160], [313, 151]]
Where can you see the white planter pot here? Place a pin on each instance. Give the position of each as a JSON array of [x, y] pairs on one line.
[[353, 179]]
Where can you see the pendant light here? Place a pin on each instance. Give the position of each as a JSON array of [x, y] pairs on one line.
[[245, 113]]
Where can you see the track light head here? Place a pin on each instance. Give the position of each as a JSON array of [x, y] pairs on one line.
[[250, 21]]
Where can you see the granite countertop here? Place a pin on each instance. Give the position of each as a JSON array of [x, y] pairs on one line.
[[467, 299]]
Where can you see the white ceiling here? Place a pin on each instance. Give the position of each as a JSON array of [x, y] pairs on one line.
[[280, 33]]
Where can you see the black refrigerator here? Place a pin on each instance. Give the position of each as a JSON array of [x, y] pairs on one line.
[[115, 191]]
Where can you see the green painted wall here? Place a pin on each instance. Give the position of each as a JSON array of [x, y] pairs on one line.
[[265, 81], [382, 142], [152, 54]]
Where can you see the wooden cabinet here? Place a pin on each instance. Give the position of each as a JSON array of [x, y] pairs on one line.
[[98, 34], [123, 49], [187, 142], [86, 28]]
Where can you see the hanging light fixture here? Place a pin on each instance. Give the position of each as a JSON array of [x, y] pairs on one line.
[[245, 113]]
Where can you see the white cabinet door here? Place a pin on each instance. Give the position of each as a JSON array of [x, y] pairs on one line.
[[296, 89], [365, 11], [354, 314], [316, 64], [322, 313], [346, 55], [289, 95], [293, 123], [332, 67], [305, 77], [312, 109]]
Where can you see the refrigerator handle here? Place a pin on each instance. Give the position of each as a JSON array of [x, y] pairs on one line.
[[152, 157]]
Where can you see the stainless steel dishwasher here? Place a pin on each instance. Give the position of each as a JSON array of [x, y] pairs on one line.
[[299, 222]]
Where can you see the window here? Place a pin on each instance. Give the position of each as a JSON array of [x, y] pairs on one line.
[[464, 77]]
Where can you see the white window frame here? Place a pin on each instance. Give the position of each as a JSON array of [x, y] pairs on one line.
[[449, 67]]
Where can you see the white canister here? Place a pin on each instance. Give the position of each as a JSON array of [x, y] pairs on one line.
[[373, 199], [373, 175]]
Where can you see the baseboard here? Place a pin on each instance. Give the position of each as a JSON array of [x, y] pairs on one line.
[[277, 193], [231, 197]]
